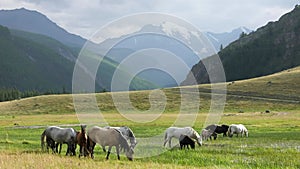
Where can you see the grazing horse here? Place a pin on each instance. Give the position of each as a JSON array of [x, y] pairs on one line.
[[108, 137], [186, 141], [237, 129], [81, 140], [177, 132], [60, 136], [127, 133], [205, 134], [217, 130]]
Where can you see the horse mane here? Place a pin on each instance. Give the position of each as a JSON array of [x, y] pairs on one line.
[[130, 133], [117, 131], [195, 133], [123, 142]]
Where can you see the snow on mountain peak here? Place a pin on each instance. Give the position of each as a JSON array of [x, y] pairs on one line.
[[175, 30]]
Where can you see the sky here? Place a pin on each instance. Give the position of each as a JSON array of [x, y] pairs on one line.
[[84, 18]]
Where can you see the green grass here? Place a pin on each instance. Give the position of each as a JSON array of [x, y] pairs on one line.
[[273, 141]]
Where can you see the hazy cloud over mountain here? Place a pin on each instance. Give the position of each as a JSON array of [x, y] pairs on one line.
[[84, 18]]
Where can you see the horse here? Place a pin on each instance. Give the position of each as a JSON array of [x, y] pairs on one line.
[[205, 134], [217, 130], [186, 141], [237, 129], [60, 136], [108, 137], [127, 133], [177, 131], [81, 140]]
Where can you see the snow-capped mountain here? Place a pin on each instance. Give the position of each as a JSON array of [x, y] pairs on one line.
[[186, 46]]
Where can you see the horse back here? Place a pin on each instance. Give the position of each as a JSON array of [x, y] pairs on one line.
[[61, 135], [103, 136]]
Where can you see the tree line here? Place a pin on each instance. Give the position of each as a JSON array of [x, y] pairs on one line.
[[7, 94]]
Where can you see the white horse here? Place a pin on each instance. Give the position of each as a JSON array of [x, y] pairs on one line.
[[237, 129], [177, 131], [108, 137], [127, 133], [60, 136], [205, 134]]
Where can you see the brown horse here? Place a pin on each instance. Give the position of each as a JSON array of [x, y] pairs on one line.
[[81, 140]]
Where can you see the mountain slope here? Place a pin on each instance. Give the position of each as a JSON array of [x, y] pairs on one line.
[[28, 65], [36, 62], [253, 95], [35, 22], [270, 49]]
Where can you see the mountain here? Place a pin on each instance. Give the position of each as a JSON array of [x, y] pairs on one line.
[[224, 39], [35, 22], [271, 48], [28, 65], [36, 62], [167, 36]]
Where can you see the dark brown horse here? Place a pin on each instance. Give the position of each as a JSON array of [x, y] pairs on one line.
[[81, 140]]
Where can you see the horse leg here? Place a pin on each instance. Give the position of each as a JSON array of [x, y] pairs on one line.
[[103, 148], [74, 149], [215, 135], [85, 151], [68, 149], [60, 145], [92, 149], [109, 149], [56, 147], [80, 151], [118, 151], [170, 141]]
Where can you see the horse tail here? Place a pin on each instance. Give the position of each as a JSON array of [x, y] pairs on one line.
[[43, 140]]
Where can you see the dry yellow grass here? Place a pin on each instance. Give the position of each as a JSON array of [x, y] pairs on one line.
[[49, 161]]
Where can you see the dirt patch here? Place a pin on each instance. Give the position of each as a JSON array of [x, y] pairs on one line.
[[37, 127], [282, 113]]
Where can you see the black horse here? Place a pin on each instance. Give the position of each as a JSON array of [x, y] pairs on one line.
[[218, 130], [186, 141]]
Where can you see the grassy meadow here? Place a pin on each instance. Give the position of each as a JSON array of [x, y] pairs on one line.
[[273, 142]]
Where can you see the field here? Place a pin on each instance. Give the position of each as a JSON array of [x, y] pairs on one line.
[[273, 142]]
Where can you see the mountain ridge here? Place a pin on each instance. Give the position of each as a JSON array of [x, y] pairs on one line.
[[36, 22], [270, 49]]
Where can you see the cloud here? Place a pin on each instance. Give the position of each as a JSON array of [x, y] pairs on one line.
[[87, 17]]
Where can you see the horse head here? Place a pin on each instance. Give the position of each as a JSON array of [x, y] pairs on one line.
[[199, 141], [129, 154], [197, 137]]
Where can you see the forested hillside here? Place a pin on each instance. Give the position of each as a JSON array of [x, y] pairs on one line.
[[270, 49]]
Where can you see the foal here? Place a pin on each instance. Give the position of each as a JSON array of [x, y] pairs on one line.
[[81, 140], [186, 141]]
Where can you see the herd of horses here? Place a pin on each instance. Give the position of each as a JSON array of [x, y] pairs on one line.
[[123, 138]]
